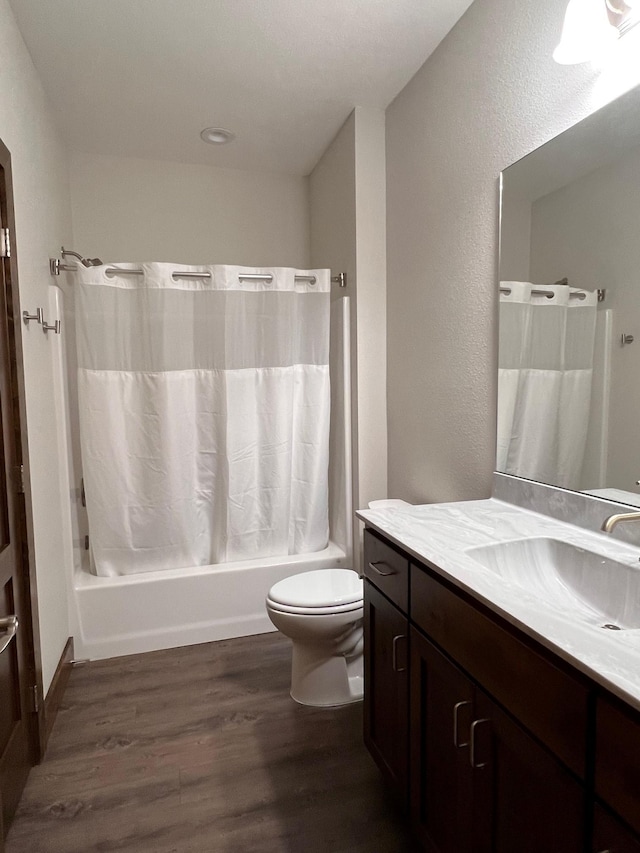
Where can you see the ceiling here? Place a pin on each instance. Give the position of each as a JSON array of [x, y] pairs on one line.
[[142, 78]]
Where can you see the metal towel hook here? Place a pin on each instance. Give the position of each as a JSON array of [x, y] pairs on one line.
[[56, 327], [38, 317]]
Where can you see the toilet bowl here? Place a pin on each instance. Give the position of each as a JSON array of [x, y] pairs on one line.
[[321, 612]]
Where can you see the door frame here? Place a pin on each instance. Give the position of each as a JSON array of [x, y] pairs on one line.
[[29, 633]]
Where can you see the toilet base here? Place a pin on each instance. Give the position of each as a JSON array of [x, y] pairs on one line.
[[325, 682]]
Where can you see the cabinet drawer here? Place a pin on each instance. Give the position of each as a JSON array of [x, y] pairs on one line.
[[387, 569], [548, 701], [618, 760]]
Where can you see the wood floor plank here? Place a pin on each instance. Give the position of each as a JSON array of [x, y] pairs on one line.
[[201, 750]]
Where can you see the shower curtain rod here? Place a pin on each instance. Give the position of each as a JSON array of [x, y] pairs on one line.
[[540, 291], [56, 267]]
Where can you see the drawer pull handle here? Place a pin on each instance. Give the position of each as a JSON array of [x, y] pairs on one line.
[[456, 737], [394, 653], [472, 751], [378, 571]]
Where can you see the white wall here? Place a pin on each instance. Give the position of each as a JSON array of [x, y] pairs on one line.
[[332, 205], [588, 231], [489, 94], [515, 237], [126, 209], [42, 224], [371, 260], [347, 202]]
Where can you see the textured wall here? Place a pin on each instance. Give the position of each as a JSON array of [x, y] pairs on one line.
[[332, 206], [372, 313], [42, 210], [347, 203], [142, 210], [489, 94]]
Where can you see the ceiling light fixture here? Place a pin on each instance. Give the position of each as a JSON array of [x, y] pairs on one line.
[[587, 32], [623, 14], [217, 135]]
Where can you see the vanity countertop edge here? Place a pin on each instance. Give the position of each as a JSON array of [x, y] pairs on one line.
[[441, 535]]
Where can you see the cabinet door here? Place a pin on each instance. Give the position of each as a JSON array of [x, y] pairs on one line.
[[610, 836], [441, 775], [524, 800], [386, 688], [617, 774]]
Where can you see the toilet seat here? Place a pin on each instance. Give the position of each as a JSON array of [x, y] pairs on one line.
[[314, 611], [320, 591]]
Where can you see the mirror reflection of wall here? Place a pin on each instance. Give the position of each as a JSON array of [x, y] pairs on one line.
[[569, 388]]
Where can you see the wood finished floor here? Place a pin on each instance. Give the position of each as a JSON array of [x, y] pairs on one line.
[[201, 750]]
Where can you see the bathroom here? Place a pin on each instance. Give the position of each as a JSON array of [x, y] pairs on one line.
[[403, 200]]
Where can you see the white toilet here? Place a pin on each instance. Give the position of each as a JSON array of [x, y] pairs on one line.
[[321, 612]]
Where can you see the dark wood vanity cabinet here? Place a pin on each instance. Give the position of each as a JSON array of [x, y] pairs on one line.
[[479, 782], [498, 745]]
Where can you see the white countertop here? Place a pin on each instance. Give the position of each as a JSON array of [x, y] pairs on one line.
[[441, 534]]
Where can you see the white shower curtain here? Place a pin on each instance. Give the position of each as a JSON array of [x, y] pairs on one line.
[[545, 377], [204, 414]]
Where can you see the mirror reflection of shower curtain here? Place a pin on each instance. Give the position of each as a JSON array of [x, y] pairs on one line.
[[204, 415], [544, 384]]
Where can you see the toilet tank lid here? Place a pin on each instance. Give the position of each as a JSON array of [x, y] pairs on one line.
[[321, 588]]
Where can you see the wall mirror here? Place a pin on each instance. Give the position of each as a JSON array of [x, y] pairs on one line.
[[569, 353]]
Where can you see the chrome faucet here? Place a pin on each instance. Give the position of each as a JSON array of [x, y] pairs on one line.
[[609, 523]]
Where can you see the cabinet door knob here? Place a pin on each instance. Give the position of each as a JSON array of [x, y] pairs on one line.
[[394, 653], [472, 752], [378, 571], [456, 736]]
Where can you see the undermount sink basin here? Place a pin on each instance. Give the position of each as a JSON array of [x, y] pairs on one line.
[[582, 583]]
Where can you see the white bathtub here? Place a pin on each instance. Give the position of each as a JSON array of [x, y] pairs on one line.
[[160, 610]]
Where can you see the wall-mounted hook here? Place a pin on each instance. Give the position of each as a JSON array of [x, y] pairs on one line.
[[38, 316], [626, 339], [56, 266], [56, 327]]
